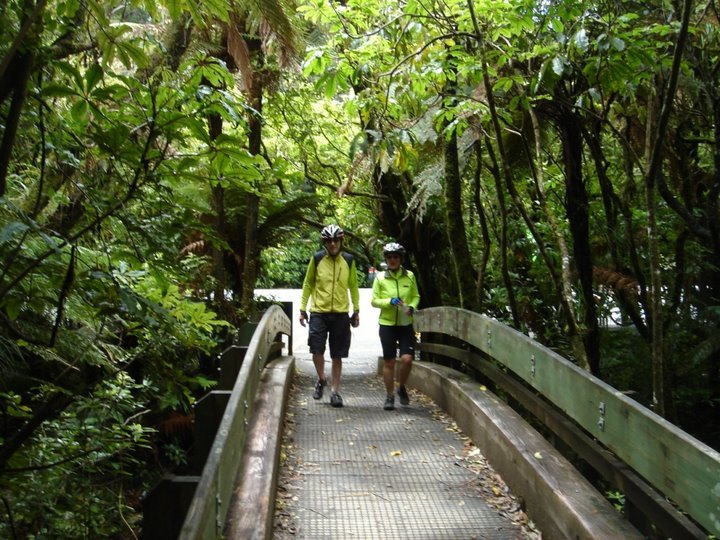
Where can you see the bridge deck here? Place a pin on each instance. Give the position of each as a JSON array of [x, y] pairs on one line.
[[362, 472]]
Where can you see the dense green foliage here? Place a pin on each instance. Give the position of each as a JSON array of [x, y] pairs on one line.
[[553, 164]]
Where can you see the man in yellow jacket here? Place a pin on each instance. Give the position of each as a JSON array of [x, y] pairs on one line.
[[330, 274], [395, 292]]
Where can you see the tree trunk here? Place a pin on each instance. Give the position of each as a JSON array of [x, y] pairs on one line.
[[456, 227], [252, 199], [50, 409], [655, 290], [22, 69], [484, 231], [418, 237], [16, 67], [654, 151], [502, 208], [614, 209], [564, 282], [504, 162], [636, 267], [713, 208], [578, 217], [215, 127]]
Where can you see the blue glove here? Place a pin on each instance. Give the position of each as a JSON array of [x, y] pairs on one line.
[[395, 301]]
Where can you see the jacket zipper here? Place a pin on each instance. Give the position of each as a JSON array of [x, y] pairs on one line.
[[397, 308], [332, 293]]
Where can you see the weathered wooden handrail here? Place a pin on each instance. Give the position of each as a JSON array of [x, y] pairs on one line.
[[673, 462], [205, 518]]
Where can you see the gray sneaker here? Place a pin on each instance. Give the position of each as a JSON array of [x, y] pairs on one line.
[[389, 403], [336, 400], [403, 395], [319, 389]]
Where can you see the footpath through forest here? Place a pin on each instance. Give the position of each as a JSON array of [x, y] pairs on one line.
[[363, 472]]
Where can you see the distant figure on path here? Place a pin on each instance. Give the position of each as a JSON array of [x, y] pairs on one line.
[[395, 292], [372, 272], [330, 274]]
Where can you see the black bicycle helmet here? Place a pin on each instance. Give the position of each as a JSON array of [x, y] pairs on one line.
[[331, 231], [393, 247]]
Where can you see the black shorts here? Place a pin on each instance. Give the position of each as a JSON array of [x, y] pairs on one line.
[[336, 326], [393, 338]]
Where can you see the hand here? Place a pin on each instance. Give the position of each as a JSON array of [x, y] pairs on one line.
[[396, 301], [303, 318], [409, 310], [355, 319]]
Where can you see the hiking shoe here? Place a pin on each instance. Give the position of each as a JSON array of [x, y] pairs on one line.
[[319, 389], [336, 400], [389, 403], [403, 395]]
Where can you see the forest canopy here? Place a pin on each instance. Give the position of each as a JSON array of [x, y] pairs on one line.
[[554, 164]]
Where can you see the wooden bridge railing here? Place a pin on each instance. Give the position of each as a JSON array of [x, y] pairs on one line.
[[209, 506], [674, 463]]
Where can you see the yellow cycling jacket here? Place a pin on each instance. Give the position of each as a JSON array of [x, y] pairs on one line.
[[327, 281], [389, 285]]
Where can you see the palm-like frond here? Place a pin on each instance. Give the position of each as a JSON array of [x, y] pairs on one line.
[[705, 350], [278, 25], [270, 21], [279, 220], [11, 360]]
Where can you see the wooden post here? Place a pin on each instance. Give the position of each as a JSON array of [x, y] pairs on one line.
[[230, 361], [165, 507], [209, 411]]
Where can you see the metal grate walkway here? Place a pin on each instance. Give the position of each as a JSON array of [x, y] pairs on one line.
[[362, 472]]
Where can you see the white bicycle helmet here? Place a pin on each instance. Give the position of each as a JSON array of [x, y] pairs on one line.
[[331, 232], [393, 247]]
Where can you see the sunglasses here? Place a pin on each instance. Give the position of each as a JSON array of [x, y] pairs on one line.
[[332, 240], [392, 256]]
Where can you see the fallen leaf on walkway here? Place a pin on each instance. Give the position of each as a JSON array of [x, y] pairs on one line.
[[396, 453], [538, 455]]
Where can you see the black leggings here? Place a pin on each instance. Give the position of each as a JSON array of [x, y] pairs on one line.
[[394, 337]]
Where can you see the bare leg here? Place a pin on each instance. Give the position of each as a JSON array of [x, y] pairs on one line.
[[389, 376], [405, 368], [319, 361], [336, 373]]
